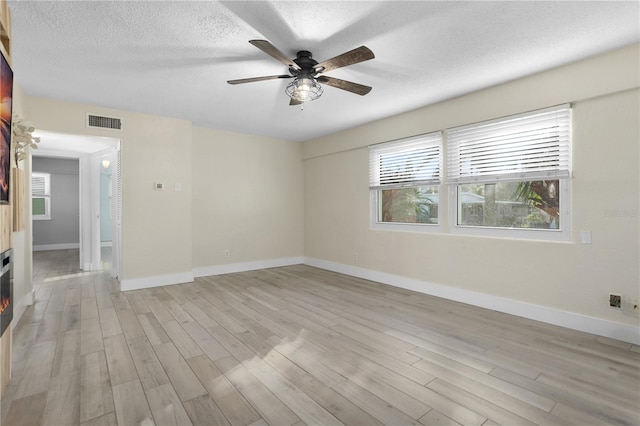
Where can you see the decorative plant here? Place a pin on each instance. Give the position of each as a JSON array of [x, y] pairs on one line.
[[542, 194], [23, 138]]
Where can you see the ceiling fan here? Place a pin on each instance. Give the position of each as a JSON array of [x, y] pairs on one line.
[[305, 71]]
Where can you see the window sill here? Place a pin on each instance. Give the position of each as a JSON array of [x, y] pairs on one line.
[[406, 227], [513, 233]]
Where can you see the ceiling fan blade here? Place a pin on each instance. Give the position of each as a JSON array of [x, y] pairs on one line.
[[294, 102], [359, 89], [359, 54], [251, 80], [272, 51]]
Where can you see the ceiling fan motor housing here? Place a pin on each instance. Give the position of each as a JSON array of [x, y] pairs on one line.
[[304, 59]]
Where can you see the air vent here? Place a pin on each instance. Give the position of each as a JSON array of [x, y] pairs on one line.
[[104, 122]]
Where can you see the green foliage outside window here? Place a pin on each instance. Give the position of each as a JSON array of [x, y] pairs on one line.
[[409, 205], [38, 206]]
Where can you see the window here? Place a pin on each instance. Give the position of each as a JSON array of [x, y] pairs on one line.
[[512, 173], [41, 196], [404, 180]]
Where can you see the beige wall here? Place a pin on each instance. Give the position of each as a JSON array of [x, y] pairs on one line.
[[156, 225], [566, 276], [241, 193], [247, 198]]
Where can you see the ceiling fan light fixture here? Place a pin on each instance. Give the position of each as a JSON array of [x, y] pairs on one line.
[[304, 89]]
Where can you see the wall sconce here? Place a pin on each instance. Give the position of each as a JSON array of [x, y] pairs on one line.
[[106, 164]]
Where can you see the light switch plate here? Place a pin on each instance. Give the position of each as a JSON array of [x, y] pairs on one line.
[[585, 237]]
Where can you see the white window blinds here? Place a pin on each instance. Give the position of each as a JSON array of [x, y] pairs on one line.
[[405, 163], [529, 146], [40, 184]]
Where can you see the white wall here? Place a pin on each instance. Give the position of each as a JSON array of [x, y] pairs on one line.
[[564, 277], [247, 198]]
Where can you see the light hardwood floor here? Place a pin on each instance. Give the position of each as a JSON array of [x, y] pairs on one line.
[[298, 345]]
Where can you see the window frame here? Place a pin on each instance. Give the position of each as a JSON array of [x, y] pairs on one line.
[[562, 173], [561, 234], [46, 196], [402, 226], [448, 187], [431, 139]]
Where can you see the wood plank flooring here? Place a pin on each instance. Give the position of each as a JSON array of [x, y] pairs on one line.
[[295, 346]]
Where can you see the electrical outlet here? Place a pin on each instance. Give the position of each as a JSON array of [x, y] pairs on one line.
[[615, 301], [227, 253]]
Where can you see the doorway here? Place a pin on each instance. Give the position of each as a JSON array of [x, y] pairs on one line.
[[98, 158]]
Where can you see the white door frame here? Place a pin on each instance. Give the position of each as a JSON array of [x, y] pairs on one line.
[[90, 248], [116, 214], [89, 177], [85, 188]]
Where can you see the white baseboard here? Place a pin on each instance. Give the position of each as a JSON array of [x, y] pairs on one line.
[[47, 247], [231, 268], [187, 277], [157, 281], [545, 314]]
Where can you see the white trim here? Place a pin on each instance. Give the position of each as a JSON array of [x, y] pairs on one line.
[[187, 277], [65, 246], [231, 268], [157, 281], [106, 243], [602, 327]]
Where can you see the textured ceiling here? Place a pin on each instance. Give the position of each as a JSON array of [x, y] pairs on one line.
[[173, 58]]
